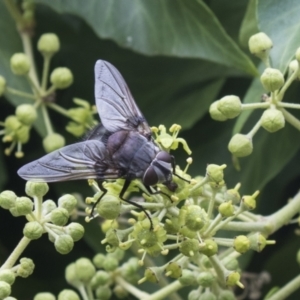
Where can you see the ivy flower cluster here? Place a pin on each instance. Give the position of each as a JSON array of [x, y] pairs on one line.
[[16, 128], [275, 114]]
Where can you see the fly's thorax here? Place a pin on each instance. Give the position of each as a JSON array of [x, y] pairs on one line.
[[160, 169]]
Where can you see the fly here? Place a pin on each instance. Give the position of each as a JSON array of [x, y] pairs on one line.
[[121, 147]]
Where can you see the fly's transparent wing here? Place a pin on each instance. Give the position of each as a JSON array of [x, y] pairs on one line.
[[85, 160], [115, 104]]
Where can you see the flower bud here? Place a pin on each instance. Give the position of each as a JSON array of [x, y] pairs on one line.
[[226, 295], [196, 218], [2, 85], [230, 106], [109, 207], [85, 270], [25, 268], [194, 295], [230, 263], [20, 64], [44, 296], [215, 172], [64, 244], [205, 279], [98, 260], [173, 270], [48, 44], [61, 78], [240, 145], [8, 276], [68, 295], [12, 123], [249, 202], [53, 142], [26, 113], [100, 278], [110, 263], [215, 113], [233, 278], [226, 209], [75, 230], [233, 195], [5, 289], [241, 244], [24, 206], [68, 202], [7, 199], [71, 275], [187, 278], [209, 248], [103, 292], [208, 295], [272, 120], [152, 274], [272, 79], [33, 230], [48, 206], [258, 242], [59, 216], [22, 134], [38, 189], [260, 45], [189, 247], [120, 292]]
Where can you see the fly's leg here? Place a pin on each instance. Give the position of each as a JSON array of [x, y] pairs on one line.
[[104, 191], [124, 189], [156, 192], [174, 172]]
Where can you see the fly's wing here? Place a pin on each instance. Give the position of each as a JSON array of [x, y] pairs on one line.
[[115, 104], [85, 160]]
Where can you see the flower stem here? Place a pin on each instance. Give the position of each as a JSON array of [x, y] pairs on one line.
[[20, 93], [46, 119], [289, 105], [166, 291], [290, 118], [59, 109], [131, 289], [46, 66], [248, 106], [14, 256]]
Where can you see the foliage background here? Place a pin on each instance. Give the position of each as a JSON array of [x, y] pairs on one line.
[[177, 58]]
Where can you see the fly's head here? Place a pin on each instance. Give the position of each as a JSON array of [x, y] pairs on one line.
[[160, 171]]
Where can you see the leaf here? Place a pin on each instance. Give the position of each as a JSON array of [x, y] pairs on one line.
[[170, 27], [280, 21]]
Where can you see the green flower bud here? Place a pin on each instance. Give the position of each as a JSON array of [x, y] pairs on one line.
[[12, 124], [20, 64], [189, 247], [61, 78], [233, 195], [120, 292], [215, 172], [230, 106], [53, 142], [215, 113], [173, 270], [68, 202], [118, 254], [129, 269], [8, 276], [207, 295], [23, 206], [22, 134], [297, 54], [293, 67], [68, 295], [85, 270], [5, 289], [33, 230], [258, 242], [226, 209], [98, 260], [233, 279], [241, 244], [59, 216], [48, 44], [151, 275], [272, 79], [196, 218], [7, 199], [2, 85], [72, 276], [109, 207], [48, 206], [100, 278], [240, 145], [64, 244], [209, 248], [172, 225], [260, 45], [110, 263], [194, 295], [103, 292], [272, 120], [38, 189], [206, 279], [249, 202], [226, 295], [25, 268], [187, 278], [75, 230], [44, 296], [230, 263], [26, 113]]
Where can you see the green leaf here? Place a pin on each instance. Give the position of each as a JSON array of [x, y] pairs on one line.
[[280, 21], [170, 27]]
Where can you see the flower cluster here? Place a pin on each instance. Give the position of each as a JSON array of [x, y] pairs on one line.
[[275, 114]]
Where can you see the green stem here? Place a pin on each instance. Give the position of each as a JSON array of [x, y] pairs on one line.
[[211, 204], [199, 184], [83, 293], [131, 289], [59, 109], [34, 86], [263, 105], [219, 268], [14, 256], [38, 207], [254, 130], [46, 66], [247, 226], [46, 119], [224, 242], [290, 118], [287, 289], [20, 93], [289, 105], [165, 291], [212, 225]]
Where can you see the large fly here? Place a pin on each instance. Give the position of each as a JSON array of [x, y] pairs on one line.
[[121, 147]]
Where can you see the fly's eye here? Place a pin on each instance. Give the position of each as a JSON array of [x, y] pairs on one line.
[[164, 156], [150, 177]]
